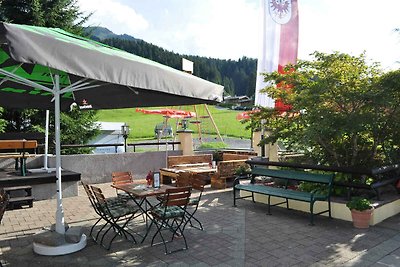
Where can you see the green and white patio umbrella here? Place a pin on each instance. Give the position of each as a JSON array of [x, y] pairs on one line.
[[48, 67]]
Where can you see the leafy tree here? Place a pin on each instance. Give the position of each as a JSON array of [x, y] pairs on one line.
[[83, 129], [77, 126], [344, 111]]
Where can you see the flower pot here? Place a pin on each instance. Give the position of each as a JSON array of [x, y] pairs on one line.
[[361, 218]]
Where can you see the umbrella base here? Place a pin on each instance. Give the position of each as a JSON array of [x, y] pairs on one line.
[[50, 243]]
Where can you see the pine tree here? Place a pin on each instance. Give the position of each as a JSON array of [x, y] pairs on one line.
[[62, 14]]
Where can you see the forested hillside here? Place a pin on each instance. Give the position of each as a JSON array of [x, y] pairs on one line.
[[237, 76]]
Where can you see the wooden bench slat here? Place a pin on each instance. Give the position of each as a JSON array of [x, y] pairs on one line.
[[18, 144], [22, 187], [20, 199], [188, 159], [16, 156]]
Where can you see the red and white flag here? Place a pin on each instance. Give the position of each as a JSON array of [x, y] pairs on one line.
[[279, 44]]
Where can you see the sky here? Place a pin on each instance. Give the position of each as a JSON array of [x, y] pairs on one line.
[[228, 29]]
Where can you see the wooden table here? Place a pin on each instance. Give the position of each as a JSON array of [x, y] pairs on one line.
[[140, 195], [19, 151], [142, 191], [174, 172]]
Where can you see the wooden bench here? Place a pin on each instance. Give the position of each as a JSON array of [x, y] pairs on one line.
[[285, 192], [382, 177], [173, 161], [182, 162], [17, 149], [15, 200], [226, 170]]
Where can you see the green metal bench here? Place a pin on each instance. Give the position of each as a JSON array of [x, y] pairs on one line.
[[285, 192]]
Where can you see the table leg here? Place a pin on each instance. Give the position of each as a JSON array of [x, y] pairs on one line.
[[144, 205]]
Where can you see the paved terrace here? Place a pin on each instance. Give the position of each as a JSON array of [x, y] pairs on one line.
[[242, 236]]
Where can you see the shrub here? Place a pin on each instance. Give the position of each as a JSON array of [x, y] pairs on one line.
[[359, 203]]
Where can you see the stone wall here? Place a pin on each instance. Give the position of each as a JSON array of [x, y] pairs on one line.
[[97, 168]]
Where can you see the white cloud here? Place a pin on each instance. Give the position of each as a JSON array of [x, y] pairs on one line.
[[351, 27], [229, 28], [220, 29], [117, 17]]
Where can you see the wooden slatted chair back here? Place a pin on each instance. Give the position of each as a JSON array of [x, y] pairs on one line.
[[91, 196], [120, 178], [88, 191], [178, 196], [98, 194]]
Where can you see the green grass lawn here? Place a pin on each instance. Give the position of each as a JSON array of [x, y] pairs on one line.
[[142, 125]]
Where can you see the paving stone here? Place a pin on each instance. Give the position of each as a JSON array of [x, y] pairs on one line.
[[241, 236], [390, 260]]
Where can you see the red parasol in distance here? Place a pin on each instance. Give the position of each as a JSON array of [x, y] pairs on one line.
[[170, 113]]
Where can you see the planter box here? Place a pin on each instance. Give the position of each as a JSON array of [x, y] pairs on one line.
[[339, 210]]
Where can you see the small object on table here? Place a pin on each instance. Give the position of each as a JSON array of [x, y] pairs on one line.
[[149, 178], [156, 180]]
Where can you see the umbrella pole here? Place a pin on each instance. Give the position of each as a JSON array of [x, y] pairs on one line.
[[61, 246], [46, 141], [60, 225]]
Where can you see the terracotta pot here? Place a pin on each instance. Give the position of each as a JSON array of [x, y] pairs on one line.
[[361, 218]]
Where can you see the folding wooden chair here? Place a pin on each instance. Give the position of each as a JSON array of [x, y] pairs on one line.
[[117, 214], [93, 202], [170, 216], [121, 178], [197, 182]]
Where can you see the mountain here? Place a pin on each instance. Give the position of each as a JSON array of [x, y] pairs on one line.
[[101, 33], [237, 76]]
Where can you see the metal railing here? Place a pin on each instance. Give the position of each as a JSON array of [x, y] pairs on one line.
[[116, 145]]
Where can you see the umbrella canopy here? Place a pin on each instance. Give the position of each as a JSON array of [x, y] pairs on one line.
[[246, 114], [46, 67], [170, 113], [116, 79]]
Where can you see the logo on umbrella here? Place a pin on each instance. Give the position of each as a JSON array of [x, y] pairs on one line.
[[85, 105]]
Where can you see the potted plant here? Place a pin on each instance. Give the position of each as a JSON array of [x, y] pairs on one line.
[[361, 211], [243, 170]]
